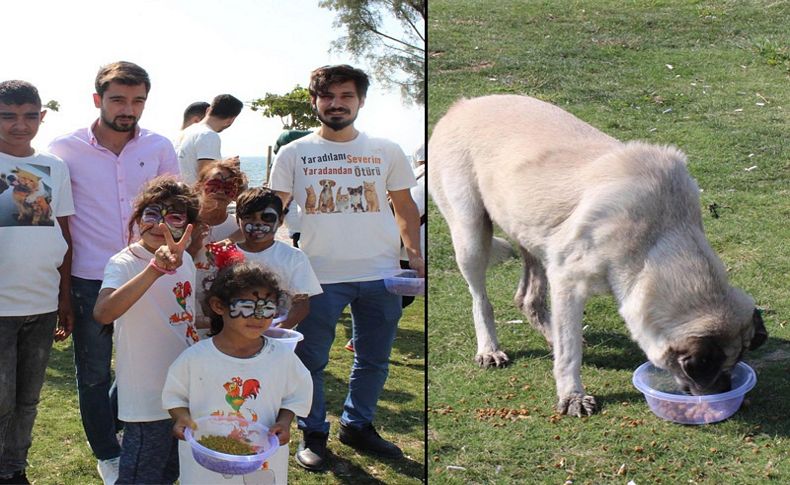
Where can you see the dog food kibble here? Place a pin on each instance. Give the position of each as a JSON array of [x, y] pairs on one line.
[[227, 445]]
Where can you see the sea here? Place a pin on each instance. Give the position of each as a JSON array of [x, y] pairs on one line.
[[255, 170]]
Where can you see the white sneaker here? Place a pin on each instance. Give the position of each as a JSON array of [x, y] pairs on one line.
[[108, 470]]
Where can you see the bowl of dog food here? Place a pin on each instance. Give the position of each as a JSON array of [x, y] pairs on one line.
[[284, 335], [405, 283], [668, 401], [230, 445]]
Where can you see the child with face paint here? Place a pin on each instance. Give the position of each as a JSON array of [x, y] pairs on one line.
[[259, 213], [147, 291], [238, 372]]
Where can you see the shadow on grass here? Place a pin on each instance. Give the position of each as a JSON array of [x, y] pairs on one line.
[[346, 471]]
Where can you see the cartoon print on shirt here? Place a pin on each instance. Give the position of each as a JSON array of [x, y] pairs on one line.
[[311, 202], [182, 291], [356, 198], [371, 196], [342, 201], [29, 202], [326, 200], [237, 391]]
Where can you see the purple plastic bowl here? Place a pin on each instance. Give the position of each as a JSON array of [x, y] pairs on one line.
[[687, 409], [255, 433]]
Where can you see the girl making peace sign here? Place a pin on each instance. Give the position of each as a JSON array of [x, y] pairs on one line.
[[148, 292]]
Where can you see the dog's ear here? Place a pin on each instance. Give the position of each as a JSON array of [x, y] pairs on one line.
[[760, 333], [701, 360]]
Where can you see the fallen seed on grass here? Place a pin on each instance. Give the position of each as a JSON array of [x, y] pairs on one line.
[[456, 468]]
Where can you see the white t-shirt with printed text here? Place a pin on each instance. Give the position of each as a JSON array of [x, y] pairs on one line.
[[348, 230], [151, 334], [207, 381], [34, 192]]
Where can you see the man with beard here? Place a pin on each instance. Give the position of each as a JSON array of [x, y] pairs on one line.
[[108, 162], [199, 144], [351, 251]]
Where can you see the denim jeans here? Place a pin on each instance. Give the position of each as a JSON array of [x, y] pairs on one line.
[[93, 360], [25, 344], [374, 315], [150, 453]]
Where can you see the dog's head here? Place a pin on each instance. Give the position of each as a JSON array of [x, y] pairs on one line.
[[701, 363]]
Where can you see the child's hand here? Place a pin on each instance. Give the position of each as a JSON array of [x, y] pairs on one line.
[[170, 256], [181, 424], [283, 432]]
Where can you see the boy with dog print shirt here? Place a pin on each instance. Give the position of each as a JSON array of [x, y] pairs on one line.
[[340, 178], [35, 202]]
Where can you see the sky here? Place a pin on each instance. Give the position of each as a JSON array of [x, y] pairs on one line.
[[192, 50]]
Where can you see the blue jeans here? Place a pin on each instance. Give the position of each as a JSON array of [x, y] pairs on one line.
[[93, 360], [25, 344], [150, 453], [374, 316]]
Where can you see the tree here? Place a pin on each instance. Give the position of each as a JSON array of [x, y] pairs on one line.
[[52, 105], [293, 108], [397, 58]]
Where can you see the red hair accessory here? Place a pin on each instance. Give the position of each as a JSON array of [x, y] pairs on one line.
[[225, 255]]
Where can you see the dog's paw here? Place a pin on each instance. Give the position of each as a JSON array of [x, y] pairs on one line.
[[496, 358], [577, 404]]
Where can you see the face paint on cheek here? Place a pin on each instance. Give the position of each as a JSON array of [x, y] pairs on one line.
[[176, 232], [265, 309], [257, 231]]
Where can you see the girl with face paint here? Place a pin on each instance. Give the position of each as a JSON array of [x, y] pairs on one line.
[[259, 213], [147, 291], [238, 371]]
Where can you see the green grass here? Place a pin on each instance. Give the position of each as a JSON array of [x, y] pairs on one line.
[[60, 453], [607, 62]]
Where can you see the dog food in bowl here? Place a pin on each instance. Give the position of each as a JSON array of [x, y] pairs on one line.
[[217, 430], [405, 283], [668, 402], [285, 335]]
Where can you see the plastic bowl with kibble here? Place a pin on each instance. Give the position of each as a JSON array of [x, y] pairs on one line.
[[405, 283], [254, 434], [667, 401]]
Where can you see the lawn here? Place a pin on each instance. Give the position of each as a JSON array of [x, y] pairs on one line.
[[60, 453], [712, 78]]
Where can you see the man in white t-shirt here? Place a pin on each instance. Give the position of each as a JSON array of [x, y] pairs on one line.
[[35, 200], [341, 177], [200, 143]]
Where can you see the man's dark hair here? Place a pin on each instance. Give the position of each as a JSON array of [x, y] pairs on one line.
[[255, 200], [226, 106], [19, 93], [121, 72], [198, 108], [323, 77]]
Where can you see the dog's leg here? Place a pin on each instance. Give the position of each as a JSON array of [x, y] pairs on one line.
[[567, 307], [531, 295]]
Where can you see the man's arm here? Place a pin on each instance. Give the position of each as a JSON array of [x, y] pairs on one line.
[[407, 216]]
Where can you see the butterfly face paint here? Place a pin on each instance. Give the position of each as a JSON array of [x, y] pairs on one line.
[[175, 220], [261, 230], [214, 186], [260, 308]]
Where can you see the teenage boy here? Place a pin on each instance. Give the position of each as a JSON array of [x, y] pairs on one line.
[[341, 177], [200, 143], [35, 202], [109, 161]]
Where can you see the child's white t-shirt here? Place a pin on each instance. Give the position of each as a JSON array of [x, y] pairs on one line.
[[205, 380], [290, 265], [151, 334]]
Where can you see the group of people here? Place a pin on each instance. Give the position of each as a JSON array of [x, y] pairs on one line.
[[128, 240]]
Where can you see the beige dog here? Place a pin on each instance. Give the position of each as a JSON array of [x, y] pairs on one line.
[[591, 214]]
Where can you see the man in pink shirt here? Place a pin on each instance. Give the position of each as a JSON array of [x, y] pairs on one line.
[[108, 162]]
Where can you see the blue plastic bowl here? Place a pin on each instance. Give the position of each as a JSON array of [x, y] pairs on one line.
[[405, 283], [256, 434], [686, 409]]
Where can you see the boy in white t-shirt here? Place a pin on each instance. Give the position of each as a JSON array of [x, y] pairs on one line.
[[35, 202], [259, 213]]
